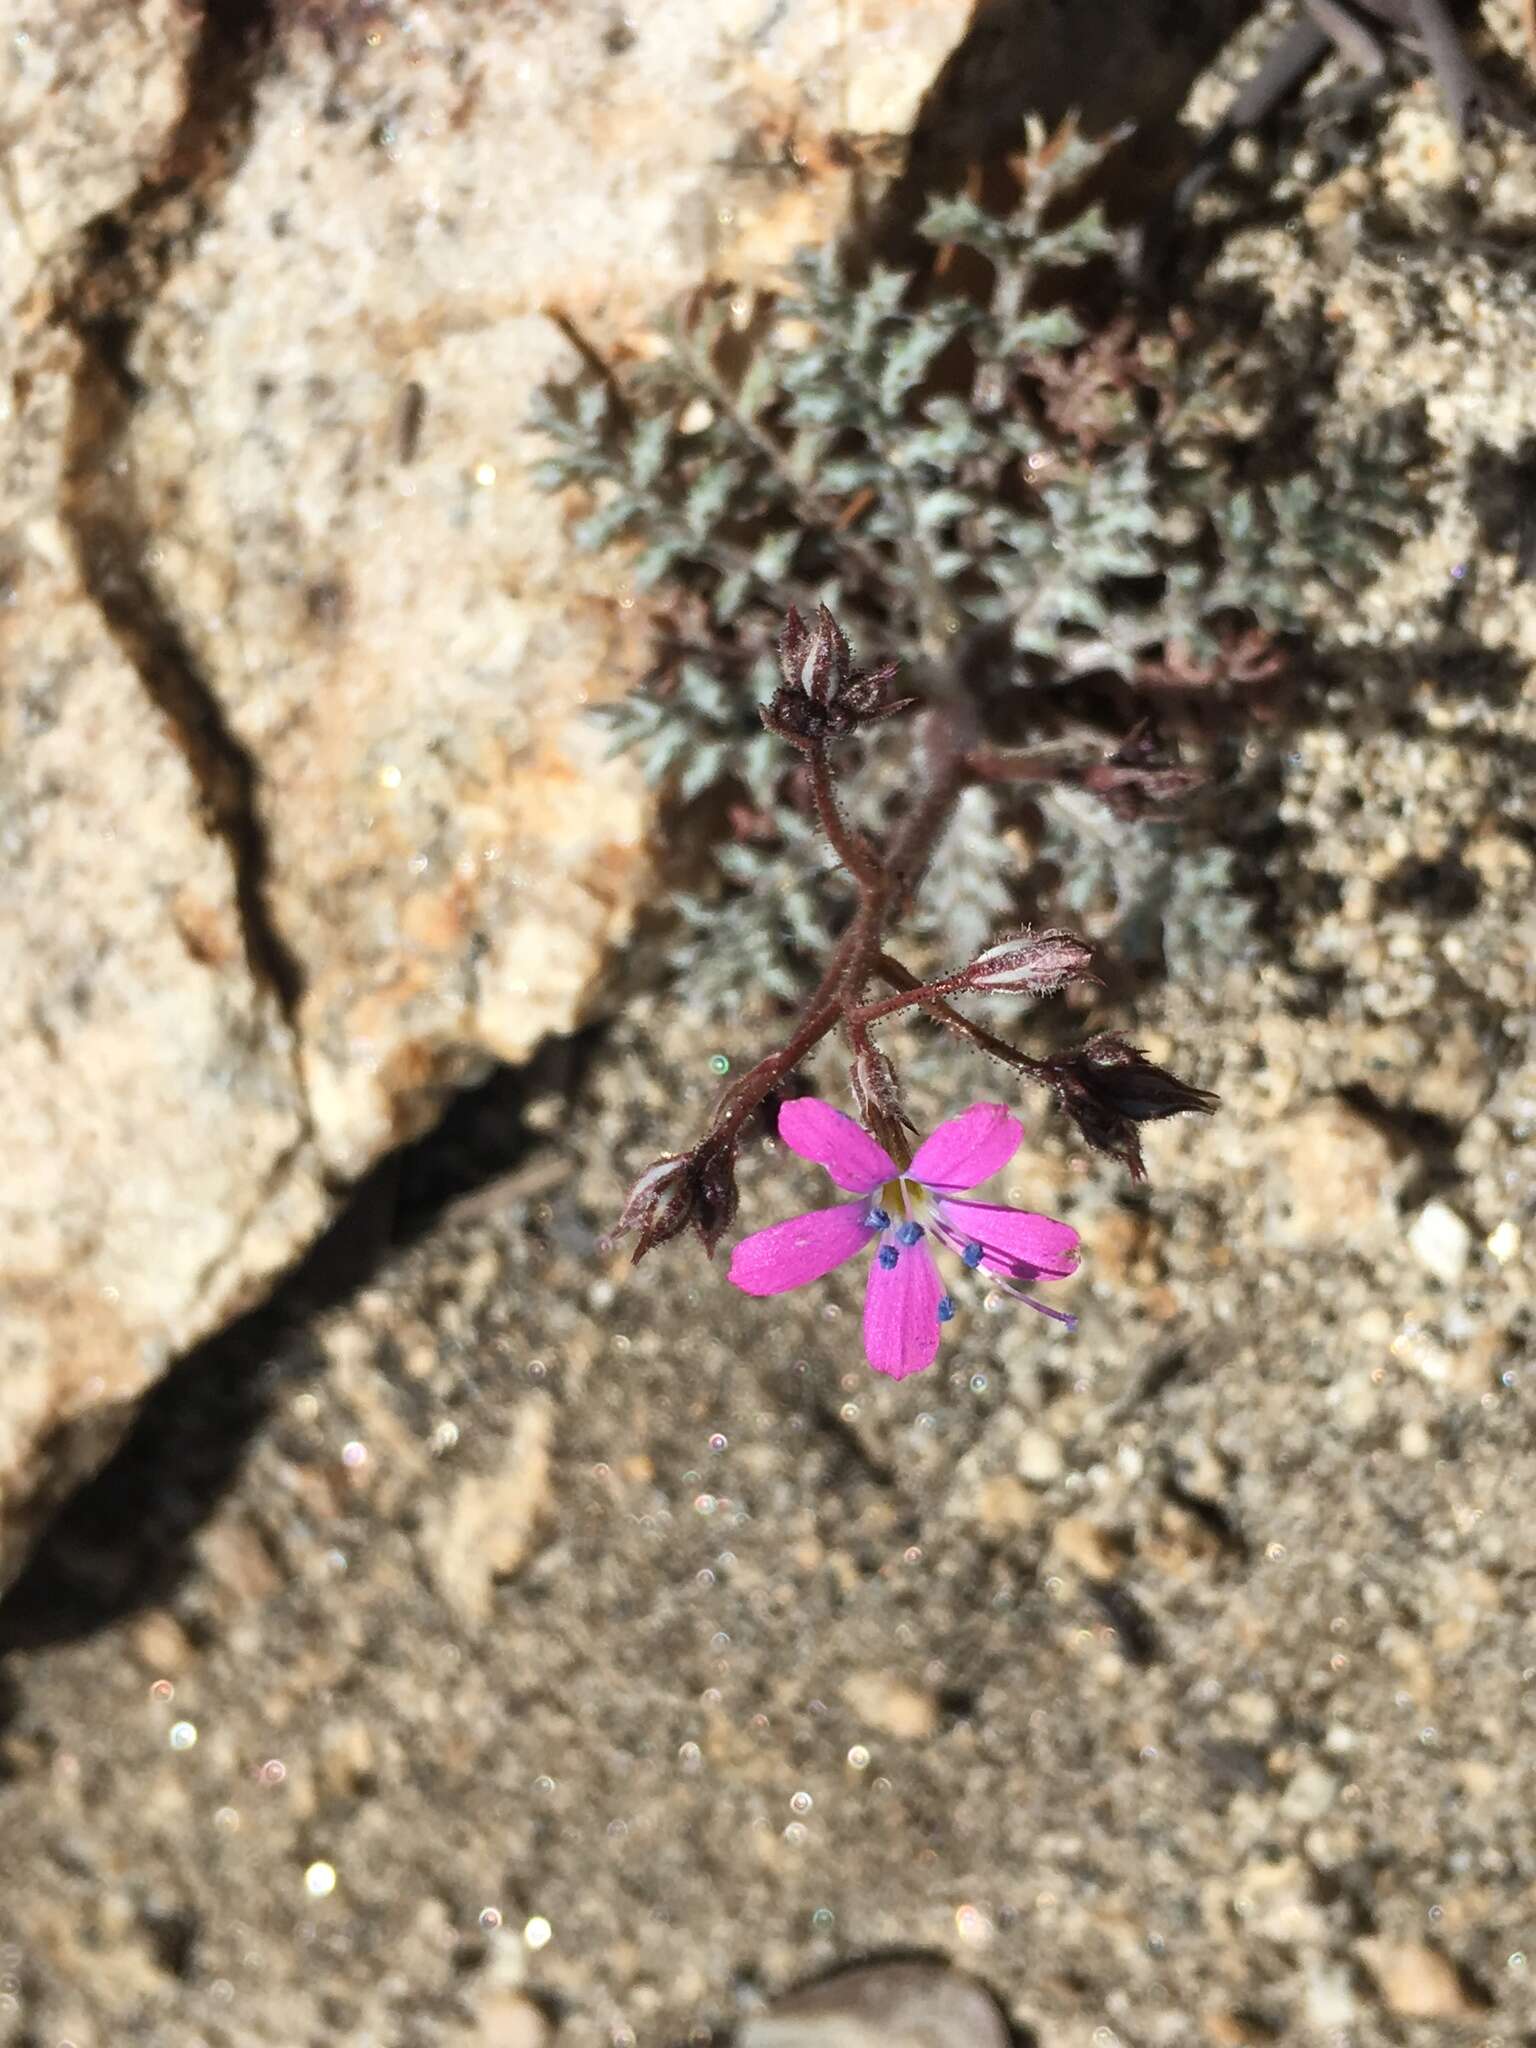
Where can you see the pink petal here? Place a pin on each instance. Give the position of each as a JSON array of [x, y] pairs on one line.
[[901, 1313], [969, 1148], [1011, 1238], [818, 1131], [800, 1249]]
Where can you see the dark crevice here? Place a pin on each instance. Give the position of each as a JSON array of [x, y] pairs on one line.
[[480, 1156], [124, 260], [127, 1538], [1103, 65], [1211, 1516], [1123, 1610]]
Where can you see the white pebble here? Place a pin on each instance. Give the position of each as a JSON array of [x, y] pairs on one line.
[[1441, 1242], [1039, 1457]]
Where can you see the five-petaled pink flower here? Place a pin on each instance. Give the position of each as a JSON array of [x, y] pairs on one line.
[[899, 1210]]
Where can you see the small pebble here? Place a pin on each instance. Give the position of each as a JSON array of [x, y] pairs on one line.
[[1441, 1242], [1039, 1458]]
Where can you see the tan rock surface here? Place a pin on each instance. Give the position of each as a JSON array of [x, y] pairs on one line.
[[303, 817], [154, 1120]]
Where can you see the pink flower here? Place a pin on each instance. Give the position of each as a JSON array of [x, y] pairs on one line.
[[899, 1212]]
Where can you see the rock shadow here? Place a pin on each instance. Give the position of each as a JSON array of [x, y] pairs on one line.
[[124, 1540], [1121, 62]]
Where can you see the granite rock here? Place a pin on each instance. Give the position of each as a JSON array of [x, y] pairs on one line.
[[304, 818]]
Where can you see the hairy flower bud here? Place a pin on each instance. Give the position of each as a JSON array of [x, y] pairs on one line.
[[822, 695], [1138, 776], [1107, 1088], [1030, 964], [816, 658], [1131, 789], [684, 1190], [715, 1196], [878, 1097], [659, 1204]]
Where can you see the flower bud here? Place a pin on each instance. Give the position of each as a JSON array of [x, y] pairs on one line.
[[814, 658], [822, 695], [659, 1204], [1131, 789], [714, 1195], [684, 1190], [878, 1097], [1138, 776], [1107, 1088], [1030, 964]]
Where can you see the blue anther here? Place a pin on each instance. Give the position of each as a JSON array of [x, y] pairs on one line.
[[887, 1256], [876, 1219], [971, 1256], [909, 1233], [946, 1309]]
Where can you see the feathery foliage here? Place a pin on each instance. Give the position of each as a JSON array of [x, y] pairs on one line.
[[963, 457]]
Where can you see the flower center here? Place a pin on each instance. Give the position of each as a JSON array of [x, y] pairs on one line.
[[904, 1201]]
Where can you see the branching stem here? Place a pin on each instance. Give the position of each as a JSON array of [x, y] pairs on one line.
[[891, 970], [1106, 1086], [885, 880]]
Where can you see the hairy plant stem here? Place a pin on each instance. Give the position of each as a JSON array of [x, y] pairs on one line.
[[902, 978], [836, 994], [886, 880], [1028, 764], [1106, 1087], [849, 844], [906, 999]]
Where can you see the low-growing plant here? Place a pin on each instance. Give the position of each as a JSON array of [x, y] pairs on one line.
[[1087, 542]]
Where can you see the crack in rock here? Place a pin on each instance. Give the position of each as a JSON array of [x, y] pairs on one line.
[[124, 260]]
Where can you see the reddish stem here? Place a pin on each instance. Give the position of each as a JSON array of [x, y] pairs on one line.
[[849, 844], [919, 992], [886, 880], [1026, 764], [891, 970]]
